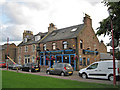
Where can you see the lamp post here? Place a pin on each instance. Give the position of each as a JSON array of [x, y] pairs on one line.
[[114, 76]]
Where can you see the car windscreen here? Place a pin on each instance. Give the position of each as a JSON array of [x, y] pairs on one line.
[[68, 66]]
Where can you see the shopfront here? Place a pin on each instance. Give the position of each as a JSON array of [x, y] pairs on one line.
[[48, 58]]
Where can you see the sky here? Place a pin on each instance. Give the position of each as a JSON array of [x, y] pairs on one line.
[[36, 15]]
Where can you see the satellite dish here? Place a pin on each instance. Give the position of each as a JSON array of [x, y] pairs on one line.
[[115, 43]]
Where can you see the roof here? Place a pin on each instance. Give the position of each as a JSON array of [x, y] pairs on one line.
[[106, 56], [32, 39], [65, 33]]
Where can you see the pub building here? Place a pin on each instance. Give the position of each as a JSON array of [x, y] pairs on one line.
[[77, 45]]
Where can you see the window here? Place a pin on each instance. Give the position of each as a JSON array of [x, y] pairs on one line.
[[93, 66], [80, 61], [25, 39], [26, 48], [65, 45], [84, 61], [44, 47], [19, 60], [33, 59], [37, 38], [81, 44], [74, 29], [88, 61], [27, 59], [33, 48], [54, 46], [19, 49]]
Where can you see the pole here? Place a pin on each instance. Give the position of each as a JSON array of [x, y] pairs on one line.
[[7, 51], [114, 79]]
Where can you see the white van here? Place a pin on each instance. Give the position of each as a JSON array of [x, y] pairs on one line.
[[101, 69]]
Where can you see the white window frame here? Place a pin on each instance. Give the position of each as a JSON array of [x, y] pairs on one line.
[[27, 58], [53, 46], [44, 47], [65, 44], [26, 48]]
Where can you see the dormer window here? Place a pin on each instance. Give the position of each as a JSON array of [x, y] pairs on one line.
[[37, 38], [25, 39]]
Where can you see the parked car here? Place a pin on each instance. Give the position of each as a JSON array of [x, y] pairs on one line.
[[61, 69], [2, 64], [14, 66], [31, 67], [101, 69]]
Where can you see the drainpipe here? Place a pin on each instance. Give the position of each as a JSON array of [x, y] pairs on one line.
[[77, 65]]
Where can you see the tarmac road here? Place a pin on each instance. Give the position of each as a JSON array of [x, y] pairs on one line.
[[75, 77]]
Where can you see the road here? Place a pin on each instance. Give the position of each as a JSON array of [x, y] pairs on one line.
[[75, 77]]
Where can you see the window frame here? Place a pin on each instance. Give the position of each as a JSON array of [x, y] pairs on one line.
[[53, 46], [44, 47], [65, 44]]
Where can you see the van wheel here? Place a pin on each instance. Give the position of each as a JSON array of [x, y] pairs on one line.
[[62, 74], [110, 77], [84, 76]]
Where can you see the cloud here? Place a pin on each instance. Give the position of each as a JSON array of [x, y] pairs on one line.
[[35, 15], [13, 32]]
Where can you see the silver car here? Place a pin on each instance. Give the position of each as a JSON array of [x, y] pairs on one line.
[[61, 69]]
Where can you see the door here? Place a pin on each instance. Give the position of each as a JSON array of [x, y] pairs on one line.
[[92, 70]]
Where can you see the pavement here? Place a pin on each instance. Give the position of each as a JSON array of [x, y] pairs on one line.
[[75, 77]]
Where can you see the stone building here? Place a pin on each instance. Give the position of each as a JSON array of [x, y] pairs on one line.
[[77, 45], [9, 49], [26, 51]]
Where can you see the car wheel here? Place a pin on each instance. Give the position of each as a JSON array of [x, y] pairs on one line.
[[48, 72], [84, 76], [110, 77], [62, 74]]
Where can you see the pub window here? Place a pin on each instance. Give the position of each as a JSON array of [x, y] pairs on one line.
[[53, 46], [84, 61], [65, 45], [80, 61], [88, 61], [44, 47], [81, 44]]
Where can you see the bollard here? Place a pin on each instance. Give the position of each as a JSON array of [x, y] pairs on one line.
[[17, 69]]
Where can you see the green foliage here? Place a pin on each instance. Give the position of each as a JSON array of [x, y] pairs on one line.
[[105, 25], [117, 55]]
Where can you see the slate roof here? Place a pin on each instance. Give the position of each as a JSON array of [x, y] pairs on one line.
[[106, 56], [32, 39], [65, 33]]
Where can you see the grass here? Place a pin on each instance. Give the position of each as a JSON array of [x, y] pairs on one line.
[[21, 80]]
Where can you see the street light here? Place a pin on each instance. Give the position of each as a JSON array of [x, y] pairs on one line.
[[111, 14]]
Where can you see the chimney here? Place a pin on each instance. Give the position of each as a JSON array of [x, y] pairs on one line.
[[87, 20], [27, 34], [51, 27]]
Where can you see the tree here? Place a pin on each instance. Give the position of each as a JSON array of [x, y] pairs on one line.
[[105, 26]]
